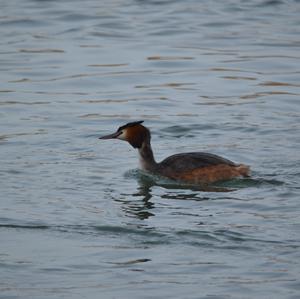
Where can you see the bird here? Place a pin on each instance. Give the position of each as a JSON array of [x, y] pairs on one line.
[[199, 168]]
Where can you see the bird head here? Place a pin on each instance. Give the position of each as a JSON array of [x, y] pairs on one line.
[[134, 133]]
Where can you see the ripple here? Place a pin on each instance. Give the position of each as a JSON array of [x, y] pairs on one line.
[[239, 78], [171, 84], [266, 93], [110, 34], [20, 80], [268, 3], [24, 103], [19, 21], [41, 51], [117, 116], [170, 58], [14, 135], [80, 229], [272, 83], [126, 230], [7, 90], [87, 75], [130, 262], [109, 65], [25, 226], [17, 224], [236, 71], [109, 101]]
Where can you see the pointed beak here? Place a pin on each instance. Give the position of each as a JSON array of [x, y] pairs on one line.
[[111, 136]]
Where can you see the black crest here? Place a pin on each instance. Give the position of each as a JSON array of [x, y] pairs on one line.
[[132, 124]]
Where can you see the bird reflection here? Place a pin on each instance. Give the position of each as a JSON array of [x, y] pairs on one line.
[[143, 208]]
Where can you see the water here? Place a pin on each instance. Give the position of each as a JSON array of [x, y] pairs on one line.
[[77, 219]]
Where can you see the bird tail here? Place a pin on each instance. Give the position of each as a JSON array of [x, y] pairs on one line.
[[243, 170]]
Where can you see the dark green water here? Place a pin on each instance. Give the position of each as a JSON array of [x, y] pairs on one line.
[[77, 219]]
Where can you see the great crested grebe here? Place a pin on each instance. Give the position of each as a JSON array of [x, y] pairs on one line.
[[196, 167]]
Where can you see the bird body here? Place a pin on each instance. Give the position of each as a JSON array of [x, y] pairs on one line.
[[195, 167]]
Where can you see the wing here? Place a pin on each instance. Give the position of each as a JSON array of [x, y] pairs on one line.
[[190, 161]]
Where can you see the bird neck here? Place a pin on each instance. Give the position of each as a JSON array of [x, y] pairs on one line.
[[147, 160]]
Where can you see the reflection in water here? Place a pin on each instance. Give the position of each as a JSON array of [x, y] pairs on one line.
[[141, 208]]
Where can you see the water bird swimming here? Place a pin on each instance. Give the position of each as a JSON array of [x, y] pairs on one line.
[[195, 168]]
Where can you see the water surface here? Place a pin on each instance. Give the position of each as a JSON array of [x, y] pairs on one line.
[[77, 219]]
